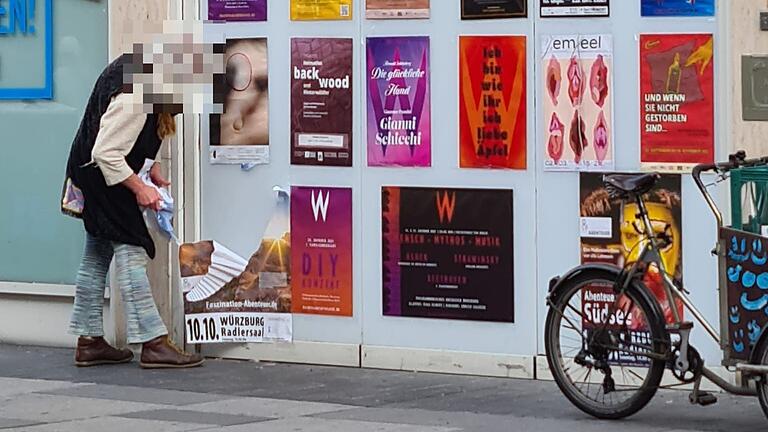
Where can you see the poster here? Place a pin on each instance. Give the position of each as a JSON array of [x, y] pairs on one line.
[[447, 253], [574, 8], [313, 10], [231, 299], [492, 102], [237, 10], [399, 122], [321, 251], [746, 267], [241, 133], [608, 235], [396, 9], [676, 101], [691, 8], [481, 9], [578, 102], [321, 101]]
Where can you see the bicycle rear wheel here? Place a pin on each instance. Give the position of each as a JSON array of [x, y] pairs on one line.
[[761, 351], [606, 351]]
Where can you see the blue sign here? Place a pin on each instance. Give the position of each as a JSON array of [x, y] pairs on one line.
[[26, 49], [689, 8]]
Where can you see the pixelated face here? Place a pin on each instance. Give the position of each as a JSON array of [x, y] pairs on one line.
[[174, 71]]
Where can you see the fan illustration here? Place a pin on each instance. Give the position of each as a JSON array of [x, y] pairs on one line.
[[224, 266]]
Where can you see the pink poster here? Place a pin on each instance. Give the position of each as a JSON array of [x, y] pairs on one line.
[[399, 123], [321, 250]]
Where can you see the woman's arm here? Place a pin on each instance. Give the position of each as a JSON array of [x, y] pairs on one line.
[[117, 135]]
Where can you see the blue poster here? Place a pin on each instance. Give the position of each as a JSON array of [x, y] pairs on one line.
[[693, 8]]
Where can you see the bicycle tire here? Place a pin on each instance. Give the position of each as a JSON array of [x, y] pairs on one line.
[[659, 335], [761, 351]]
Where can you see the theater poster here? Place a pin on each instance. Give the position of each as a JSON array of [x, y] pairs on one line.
[[396, 9], [228, 298], [241, 133], [678, 8], [676, 101], [608, 235], [237, 10], [492, 102], [448, 253], [486, 9], [321, 101], [399, 121], [321, 250], [314, 10], [574, 8], [577, 105]]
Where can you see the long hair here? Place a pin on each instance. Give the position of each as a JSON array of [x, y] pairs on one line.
[[166, 126]]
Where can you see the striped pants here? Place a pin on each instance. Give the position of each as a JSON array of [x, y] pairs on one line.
[[143, 319]]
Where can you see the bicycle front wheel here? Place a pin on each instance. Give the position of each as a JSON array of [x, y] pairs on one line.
[[606, 351]]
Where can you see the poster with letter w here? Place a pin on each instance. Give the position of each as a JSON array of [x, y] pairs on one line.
[[447, 253], [492, 102], [399, 123]]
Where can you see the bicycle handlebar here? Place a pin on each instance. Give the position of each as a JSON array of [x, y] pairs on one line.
[[736, 160]]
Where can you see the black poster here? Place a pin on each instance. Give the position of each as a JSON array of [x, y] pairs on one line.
[[480, 9], [447, 253], [574, 8]]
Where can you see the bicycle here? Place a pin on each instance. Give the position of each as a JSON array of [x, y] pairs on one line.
[[609, 363]]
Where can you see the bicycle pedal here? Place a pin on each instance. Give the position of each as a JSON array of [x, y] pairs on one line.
[[702, 398]]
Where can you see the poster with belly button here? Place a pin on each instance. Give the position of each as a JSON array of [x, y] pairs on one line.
[[396, 9], [321, 101], [676, 101], [577, 105], [314, 10], [448, 253], [321, 250], [241, 133], [492, 102], [399, 121], [237, 10]]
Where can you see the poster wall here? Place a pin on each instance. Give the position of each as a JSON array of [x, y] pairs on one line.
[[447, 253], [237, 10], [231, 299], [676, 101], [691, 8], [482, 9], [321, 101], [321, 251], [241, 133], [574, 8], [399, 121], [492, 102], [608, 233], [578, 102], [312, 10], [396, 9]]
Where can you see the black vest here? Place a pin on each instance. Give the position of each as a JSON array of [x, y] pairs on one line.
[[111, 212]]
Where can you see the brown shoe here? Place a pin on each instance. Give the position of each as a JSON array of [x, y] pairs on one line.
[[92, 351], [162, 353]]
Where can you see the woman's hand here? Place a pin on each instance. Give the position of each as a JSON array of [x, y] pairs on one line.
[[147, 196], [157, 177]]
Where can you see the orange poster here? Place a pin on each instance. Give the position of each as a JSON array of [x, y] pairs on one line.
[[492, 102]]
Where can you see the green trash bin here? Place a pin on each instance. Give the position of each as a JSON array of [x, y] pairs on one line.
[[749, 199]]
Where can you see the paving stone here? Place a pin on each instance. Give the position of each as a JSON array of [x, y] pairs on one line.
[[139, 394], [7, 423], [17, 386], [306, 424], [262, 407], [111, 424], [194, 417], [43, 408]]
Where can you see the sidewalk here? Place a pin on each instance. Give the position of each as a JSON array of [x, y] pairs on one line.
[[40, 390]]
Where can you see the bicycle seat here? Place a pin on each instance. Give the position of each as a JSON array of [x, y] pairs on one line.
[[636, 184]]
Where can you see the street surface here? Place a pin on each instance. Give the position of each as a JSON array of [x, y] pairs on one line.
[[40, 390]]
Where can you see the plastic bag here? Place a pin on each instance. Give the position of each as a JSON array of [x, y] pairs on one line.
[[163, 218]]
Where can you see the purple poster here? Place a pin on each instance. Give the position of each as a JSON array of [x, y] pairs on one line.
[[399, 123], [237, 10]]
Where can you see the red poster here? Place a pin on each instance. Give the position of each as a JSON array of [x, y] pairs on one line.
[[676, 101], [321, 250], [492, 102]]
